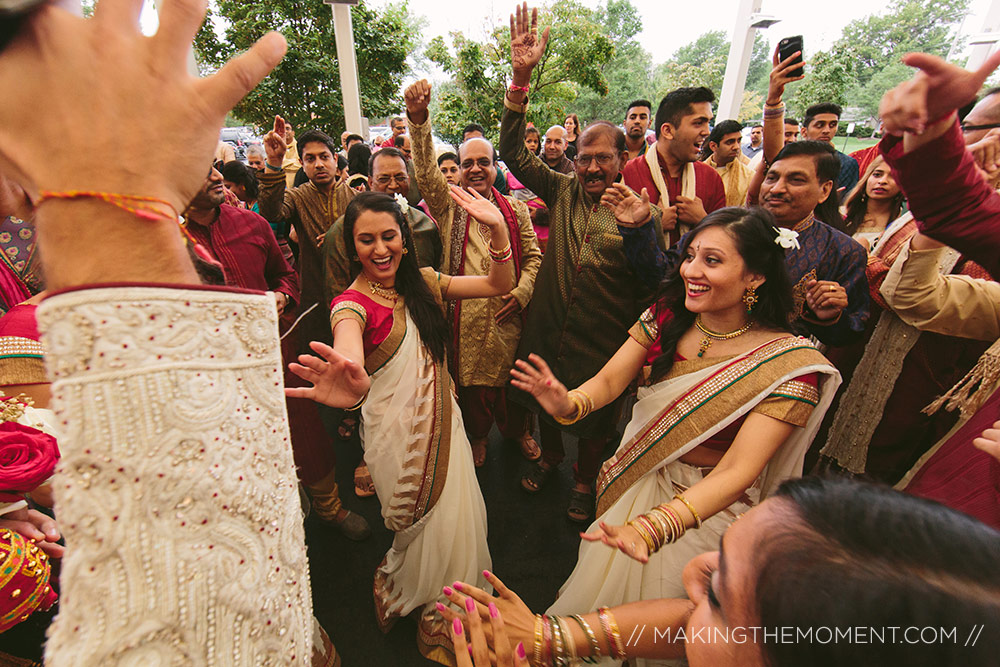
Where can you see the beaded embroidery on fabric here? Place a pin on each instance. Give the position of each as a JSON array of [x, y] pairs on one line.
[[176, 487]]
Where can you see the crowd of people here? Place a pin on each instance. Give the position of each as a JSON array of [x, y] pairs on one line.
[[801, 345]]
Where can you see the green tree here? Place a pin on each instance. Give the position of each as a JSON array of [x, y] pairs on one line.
[[305, 87], [703, 63], [578, 50], [628, 73], [829, 76], [878, 41]]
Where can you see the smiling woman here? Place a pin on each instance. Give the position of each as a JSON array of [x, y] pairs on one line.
[[388, 360]]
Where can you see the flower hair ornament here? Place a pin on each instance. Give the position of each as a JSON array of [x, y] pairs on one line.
[[404, 206], [786, 238]]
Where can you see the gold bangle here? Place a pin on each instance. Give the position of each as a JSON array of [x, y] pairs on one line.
[[637, 525], [538, 639], [577, 415], [614, 635], [357, 406], [595, 646], [694, 512]]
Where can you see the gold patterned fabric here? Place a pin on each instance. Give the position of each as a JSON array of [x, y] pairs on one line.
[[486, 349], [586, 295], [736, 178], [312, 213]]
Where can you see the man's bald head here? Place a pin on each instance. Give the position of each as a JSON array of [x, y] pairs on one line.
[[477, 165], [554, 147]]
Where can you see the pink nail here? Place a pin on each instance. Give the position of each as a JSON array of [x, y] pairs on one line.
[[456, 626], [458, 586], [470, 606], [520, 650], [494, 613], [487, 574], [440, 607], [448, 592]]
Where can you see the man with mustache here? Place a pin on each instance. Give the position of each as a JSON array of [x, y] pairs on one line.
[[827, 267], [585, 297], [685, 189]]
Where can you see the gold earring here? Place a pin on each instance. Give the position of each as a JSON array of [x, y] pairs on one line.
[[406, 251], [750, 298]]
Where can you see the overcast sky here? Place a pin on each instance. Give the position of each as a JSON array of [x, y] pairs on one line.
[[670, 24]]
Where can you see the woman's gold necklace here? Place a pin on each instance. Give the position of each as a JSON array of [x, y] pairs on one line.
[[378, 289], [710, 335]]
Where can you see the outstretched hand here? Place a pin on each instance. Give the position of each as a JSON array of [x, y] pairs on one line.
[[935, 91], [478, 206], [629, 209], [526, 48], [783, 73], [337, 380], [537, 379], [624, 538], [495, 623], [275, 144], [125, 76]]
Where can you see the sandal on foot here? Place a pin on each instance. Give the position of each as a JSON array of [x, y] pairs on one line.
[[478, 452], [346, 428], [535, 478], [364, 487], [581, 506], [529, 448]]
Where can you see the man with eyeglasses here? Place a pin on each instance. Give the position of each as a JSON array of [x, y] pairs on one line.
[[486, 331], [685, 189], [586, 296], [388, 175]]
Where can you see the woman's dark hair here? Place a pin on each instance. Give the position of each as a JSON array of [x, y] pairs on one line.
[[577, 131], [357, 159], [426, 312], [239, 173], [754, 232], [857, 555], [856, 202]]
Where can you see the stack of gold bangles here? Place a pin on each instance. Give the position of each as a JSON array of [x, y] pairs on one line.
[[663, 525], [501, 256], [554, 644], [582, 402]]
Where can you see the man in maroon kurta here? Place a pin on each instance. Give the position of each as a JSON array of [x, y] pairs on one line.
[[243, 243], [953, 205], [682, 124]]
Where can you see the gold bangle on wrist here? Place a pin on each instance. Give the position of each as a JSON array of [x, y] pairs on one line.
[[357, 406], [694, 512], [595, 646]]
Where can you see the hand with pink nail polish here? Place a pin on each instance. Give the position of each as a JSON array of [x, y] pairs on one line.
[[502, 624], [535, 377]]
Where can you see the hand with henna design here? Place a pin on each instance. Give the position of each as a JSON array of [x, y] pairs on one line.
[[526, 48]]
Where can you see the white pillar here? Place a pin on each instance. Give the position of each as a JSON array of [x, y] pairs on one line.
[[980, 52], [343, 32], [740, 50]]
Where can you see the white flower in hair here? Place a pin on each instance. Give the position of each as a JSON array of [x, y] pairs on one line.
[[404, 205], [786, 238]]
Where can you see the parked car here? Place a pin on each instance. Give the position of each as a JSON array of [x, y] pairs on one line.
[[239, 138]]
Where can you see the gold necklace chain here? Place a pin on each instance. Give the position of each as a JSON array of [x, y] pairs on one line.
[[709, 334], [381, 290]]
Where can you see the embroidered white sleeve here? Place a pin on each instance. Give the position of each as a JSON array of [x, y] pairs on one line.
[[176, 490]]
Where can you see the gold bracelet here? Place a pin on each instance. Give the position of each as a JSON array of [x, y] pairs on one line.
[[694, 512], [577, 415], [595, 646], [538, 639], [568, 644], [614, 635], [357, 406]]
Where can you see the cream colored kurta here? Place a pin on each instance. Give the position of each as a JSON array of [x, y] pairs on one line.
[[486, 349], [736, 178]]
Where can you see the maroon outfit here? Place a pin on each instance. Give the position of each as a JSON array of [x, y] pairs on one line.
[[954, 205], [708, 184], [244, 244]]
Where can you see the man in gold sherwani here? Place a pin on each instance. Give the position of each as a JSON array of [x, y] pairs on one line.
[[486, 331]]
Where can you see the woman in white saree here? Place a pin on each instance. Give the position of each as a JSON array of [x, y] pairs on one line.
[[388, 360], [728, 403]]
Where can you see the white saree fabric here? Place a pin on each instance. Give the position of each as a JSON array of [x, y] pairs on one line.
[[449, 543], [606, 577]]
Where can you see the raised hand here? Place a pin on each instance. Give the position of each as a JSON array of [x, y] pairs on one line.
[[624, 538], [418, 97], [478, 206], [780, 76], [936, 90], [124, 75], [337, 381], [629, 209], [537, 379], [526, 48], [275, 144]]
